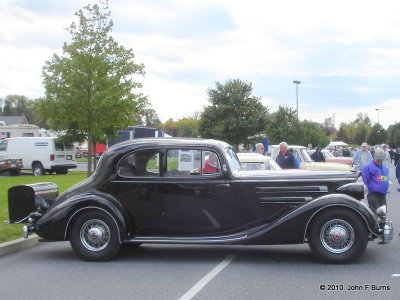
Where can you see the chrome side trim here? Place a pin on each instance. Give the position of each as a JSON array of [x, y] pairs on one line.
[[282, 202], [335, 205], [190, 240], [297, 188], [295, 179], [92, 207], [287, 198]]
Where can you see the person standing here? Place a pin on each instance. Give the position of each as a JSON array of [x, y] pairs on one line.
[[259, 148], [362, 156], [296, 159], [317, 156], [396, 157], [398, 172], [391, 152], [285, 159], [386, 161], [375, 176]]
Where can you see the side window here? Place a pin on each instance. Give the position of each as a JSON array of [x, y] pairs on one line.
[[69, 147], [182, 162], [144, 163], [211, 163], [3, 145]]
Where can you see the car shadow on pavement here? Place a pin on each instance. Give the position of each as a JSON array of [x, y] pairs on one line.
[[183, 254]]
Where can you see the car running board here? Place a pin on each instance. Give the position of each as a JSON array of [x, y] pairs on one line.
[[189, 240]]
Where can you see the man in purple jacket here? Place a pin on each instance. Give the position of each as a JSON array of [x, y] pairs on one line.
[[376, 177]]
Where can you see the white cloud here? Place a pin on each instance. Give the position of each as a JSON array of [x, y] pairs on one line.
[[388, 113], [356, 41]]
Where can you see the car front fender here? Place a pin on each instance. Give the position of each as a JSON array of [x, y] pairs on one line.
[[292, 228]]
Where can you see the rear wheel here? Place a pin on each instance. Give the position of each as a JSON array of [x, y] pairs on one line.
[[94, 236], [37, 169], [338, 236]]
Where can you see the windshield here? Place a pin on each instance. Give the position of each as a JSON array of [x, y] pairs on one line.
[[232, 159], [327, 154], [305, 155], [268, 165]]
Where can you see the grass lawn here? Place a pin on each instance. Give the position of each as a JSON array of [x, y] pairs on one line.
[[11, 232]]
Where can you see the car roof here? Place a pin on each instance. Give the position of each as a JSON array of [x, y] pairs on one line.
[[168, 142]]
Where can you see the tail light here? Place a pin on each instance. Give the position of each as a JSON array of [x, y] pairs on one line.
[[52, 156]]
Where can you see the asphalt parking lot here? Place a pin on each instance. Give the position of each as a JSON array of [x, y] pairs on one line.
[[54, 271]]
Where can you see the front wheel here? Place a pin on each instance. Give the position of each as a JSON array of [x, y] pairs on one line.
[[338, 236], [94, 236]]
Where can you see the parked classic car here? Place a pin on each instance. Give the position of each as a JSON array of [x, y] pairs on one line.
[[257, 161], [193, 191], [306, 162], [330, 158]]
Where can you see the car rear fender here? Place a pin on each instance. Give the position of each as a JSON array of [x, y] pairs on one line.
[[56, 223]]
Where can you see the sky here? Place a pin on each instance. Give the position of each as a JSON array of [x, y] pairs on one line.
[[345, 53]]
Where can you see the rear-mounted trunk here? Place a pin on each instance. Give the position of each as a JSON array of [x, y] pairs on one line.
[[28, 198]]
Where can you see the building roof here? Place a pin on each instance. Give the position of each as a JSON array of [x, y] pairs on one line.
[[12, 120]]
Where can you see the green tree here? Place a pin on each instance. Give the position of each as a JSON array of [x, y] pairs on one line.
[[377, 135], [89, 88], [234, 115], [284, 126], [342, 134], [312, 133], [187, 126], [18, 105], [393, 135]]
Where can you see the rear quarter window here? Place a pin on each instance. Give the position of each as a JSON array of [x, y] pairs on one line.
[[59, 146]]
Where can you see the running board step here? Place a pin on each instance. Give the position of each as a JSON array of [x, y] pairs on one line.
[[189, 240]]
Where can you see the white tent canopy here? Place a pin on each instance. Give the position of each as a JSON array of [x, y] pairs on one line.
[[337, 144]]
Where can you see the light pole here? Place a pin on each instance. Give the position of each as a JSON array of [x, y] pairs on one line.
[[377, 109], [297, 82]]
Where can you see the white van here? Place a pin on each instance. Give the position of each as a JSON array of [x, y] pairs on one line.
[[40, 154]]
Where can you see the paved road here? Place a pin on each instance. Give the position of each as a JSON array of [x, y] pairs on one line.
[[53, 271]]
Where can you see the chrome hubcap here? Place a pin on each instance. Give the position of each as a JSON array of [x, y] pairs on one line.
[[337, 236], [95, 235]]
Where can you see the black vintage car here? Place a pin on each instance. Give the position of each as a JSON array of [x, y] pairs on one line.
[[192, 191]]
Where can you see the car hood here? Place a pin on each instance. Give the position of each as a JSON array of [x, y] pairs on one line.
[[340, 158], [295, 174]]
